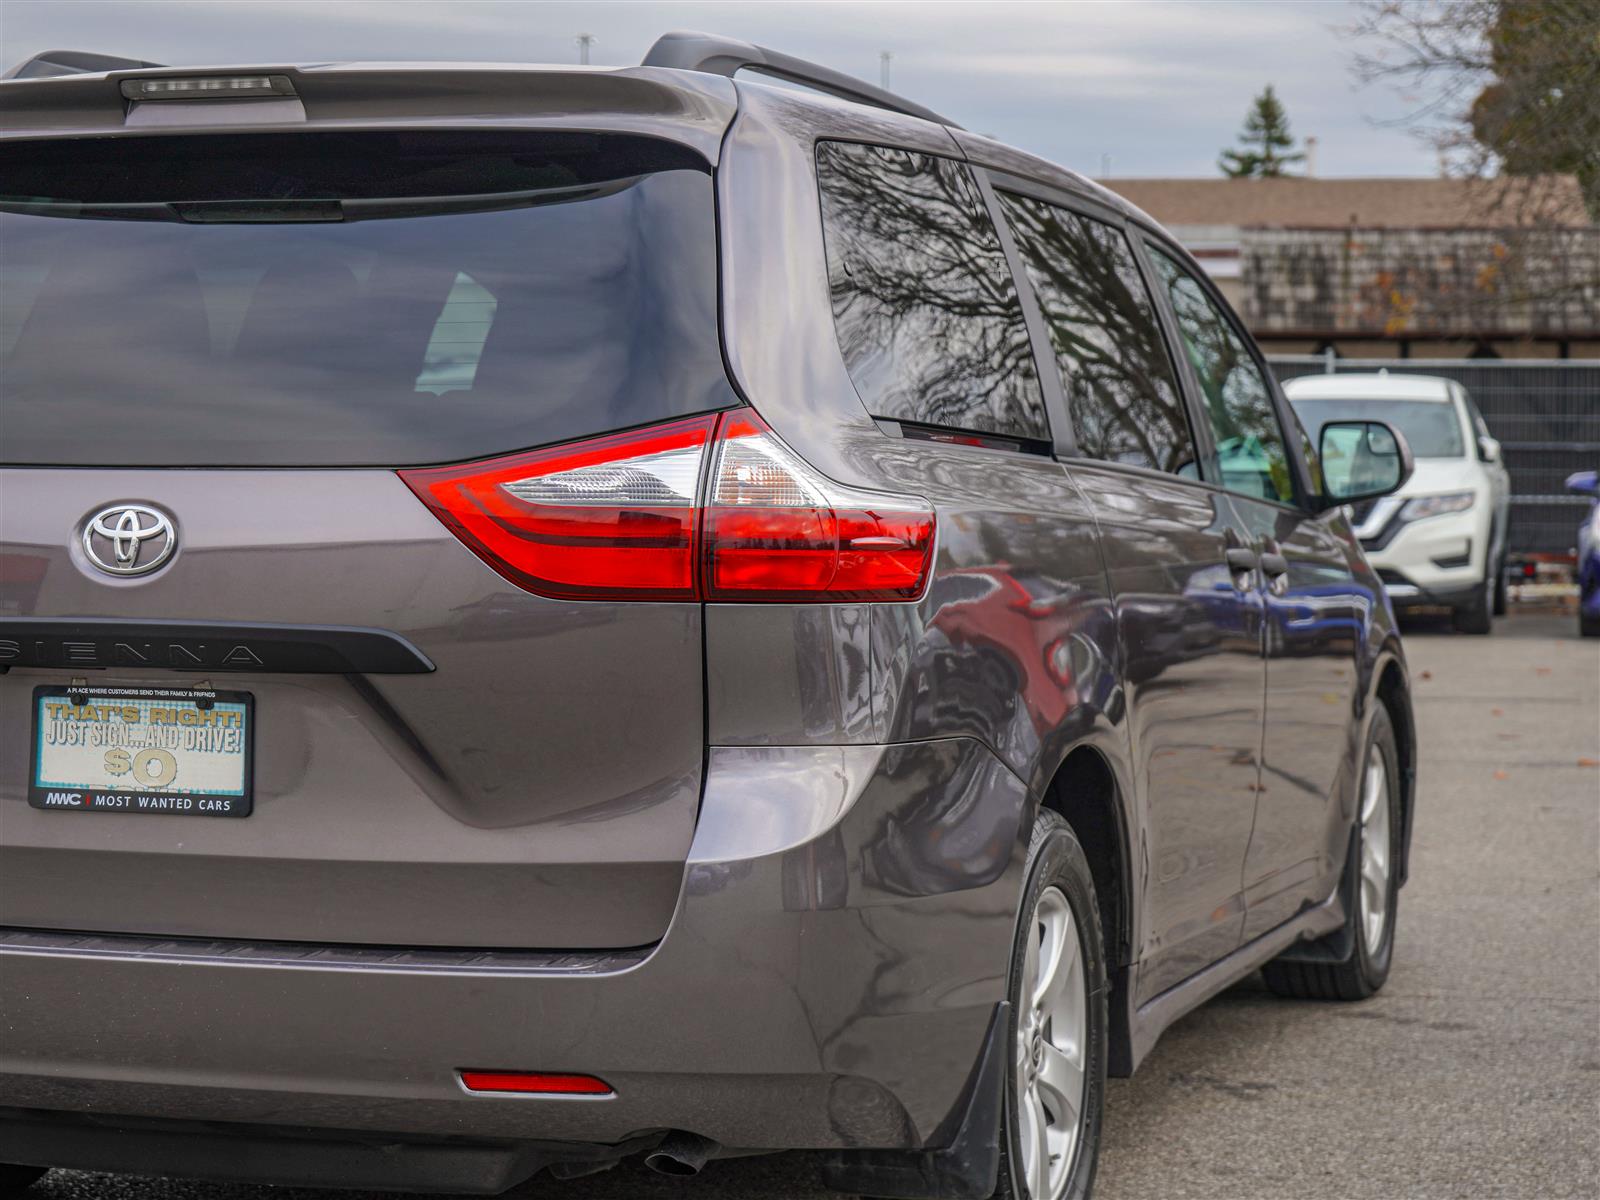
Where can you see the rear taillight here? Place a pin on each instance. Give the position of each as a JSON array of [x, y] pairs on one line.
[[634, 517], [776, 530], [610, 518]]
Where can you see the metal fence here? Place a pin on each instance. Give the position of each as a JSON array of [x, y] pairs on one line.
[[1545, 414]]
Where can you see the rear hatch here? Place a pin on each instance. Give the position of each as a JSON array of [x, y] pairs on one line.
[[220, 352]]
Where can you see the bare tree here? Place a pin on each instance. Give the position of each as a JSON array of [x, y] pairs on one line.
[[1508, 91]]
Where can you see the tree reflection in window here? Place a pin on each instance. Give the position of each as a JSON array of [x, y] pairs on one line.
[[1115, 372], [924, 304], [1238, 402]]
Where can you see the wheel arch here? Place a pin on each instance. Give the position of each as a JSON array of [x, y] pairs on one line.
[[1392, 689], [1085, 791]]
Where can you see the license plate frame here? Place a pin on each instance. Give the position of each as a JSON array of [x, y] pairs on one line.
[[164, 733]]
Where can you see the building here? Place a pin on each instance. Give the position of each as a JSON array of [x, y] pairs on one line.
[[1394, 268]]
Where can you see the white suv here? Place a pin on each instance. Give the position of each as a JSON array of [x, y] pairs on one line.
[[1441, 539]]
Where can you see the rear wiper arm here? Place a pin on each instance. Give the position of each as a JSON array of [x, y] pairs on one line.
[[276, 212]]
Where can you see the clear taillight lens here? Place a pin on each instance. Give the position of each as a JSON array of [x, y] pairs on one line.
[[623, 518], [777, 530]]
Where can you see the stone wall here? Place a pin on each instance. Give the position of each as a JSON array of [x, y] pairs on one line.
[[1475, 283]]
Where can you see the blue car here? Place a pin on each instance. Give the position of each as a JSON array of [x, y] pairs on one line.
[[1587, 483]]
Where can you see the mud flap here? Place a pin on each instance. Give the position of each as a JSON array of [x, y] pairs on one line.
[[968, 1166], [1340, 945]]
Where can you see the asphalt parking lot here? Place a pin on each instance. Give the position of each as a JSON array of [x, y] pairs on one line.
[[1475, 1073]]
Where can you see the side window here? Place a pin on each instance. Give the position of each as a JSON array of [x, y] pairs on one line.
[[1124, 398], [1297, 430], [925, 308], [1238, 401]]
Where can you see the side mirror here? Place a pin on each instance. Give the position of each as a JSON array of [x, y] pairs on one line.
[[1488, 449], [1362, 460], [1585, 483]]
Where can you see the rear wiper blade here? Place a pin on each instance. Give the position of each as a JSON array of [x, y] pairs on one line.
[[274, 212], [383, 207]]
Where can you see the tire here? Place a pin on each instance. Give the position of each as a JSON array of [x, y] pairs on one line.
[[1058, 879], [1500, 587], [1367, 967], [15, 1180], [1588, 626], [1473, 616]]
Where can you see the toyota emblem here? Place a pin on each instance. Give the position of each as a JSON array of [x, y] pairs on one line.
[[129, 539]]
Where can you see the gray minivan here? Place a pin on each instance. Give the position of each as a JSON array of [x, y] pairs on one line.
[[554, 617]]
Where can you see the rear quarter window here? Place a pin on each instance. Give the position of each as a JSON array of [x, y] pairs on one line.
[[926, 310]]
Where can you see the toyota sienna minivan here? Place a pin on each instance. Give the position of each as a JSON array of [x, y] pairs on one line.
[[552, 617]]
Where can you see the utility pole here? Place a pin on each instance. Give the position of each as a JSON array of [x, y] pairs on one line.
[[884, 59], [584, 40], [1105, 166]]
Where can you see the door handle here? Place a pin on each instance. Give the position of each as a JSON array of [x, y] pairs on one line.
[[1274, 565], [1242, 559]]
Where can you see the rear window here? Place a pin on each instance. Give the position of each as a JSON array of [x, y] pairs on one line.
[[358, 299]]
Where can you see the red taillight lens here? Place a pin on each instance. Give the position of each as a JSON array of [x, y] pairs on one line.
[[611, 518], [618, 518], [776, 530], [535, 1083]]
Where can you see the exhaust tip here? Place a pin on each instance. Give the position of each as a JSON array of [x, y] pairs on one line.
[[680, 1154]]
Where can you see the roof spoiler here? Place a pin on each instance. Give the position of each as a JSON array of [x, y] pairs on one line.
[[688, 51], [52, 63]]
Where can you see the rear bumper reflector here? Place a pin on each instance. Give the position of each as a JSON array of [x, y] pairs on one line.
[[535, 1083]]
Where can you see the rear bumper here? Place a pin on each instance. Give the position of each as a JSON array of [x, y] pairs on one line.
[[284, 1155], [840, 944]]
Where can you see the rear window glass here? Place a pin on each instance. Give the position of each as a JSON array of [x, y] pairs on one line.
[[926, 310], [349, 299]]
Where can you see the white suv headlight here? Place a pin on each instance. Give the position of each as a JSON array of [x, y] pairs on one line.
[[1420, 507]]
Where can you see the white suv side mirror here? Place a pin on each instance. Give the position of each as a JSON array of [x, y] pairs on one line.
[[1488, 449]]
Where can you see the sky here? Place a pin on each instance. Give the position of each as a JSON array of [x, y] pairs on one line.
[[1159, 86]]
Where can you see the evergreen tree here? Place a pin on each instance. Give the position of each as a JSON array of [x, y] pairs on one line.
[[1263, 141]]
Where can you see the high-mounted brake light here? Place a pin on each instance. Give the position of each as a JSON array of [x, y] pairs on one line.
[[214, 87], [535, 1083], [628, 517]]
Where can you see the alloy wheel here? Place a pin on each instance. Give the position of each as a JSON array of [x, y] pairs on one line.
[[1374, 899], [1052, 1037]]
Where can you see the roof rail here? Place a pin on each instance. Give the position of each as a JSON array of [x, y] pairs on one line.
[[73, 62], [689, 51]]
